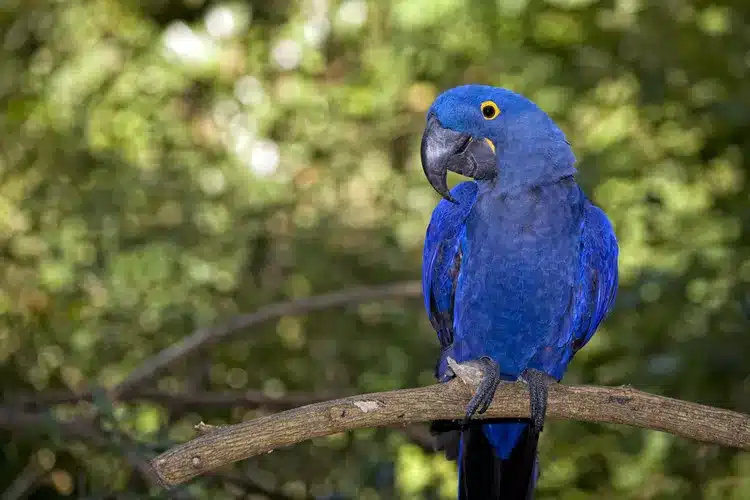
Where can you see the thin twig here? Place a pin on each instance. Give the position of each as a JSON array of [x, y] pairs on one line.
[[418, 434], [192, 400], [249, 486], [202, 427], [619, 405], [36, 423], [84, 430], [202, 337], [26, 482]]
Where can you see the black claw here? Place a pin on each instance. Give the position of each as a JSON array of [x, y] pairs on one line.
[[538, 391], [485, 393]]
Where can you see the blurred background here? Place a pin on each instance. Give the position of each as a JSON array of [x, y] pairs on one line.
[[167, 165]]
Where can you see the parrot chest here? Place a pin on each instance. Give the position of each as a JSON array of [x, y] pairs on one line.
[[519, 260]]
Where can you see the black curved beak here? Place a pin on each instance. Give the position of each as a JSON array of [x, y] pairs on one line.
[[444, 149]]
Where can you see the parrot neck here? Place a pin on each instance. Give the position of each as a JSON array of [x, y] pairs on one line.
[[545, 163]]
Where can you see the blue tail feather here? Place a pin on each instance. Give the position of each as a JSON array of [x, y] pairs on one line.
[[503, 436], [496, 460]]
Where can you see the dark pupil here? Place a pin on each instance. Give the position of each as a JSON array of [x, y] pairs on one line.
[[488, 111]]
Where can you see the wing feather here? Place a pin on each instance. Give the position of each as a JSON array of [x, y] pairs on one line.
[[441, 261], [598, 276]]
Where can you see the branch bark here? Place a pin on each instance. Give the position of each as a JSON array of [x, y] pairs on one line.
[[618, 405], [202, 337]]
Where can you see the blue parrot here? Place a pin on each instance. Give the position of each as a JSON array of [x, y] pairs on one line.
[[519, 270]]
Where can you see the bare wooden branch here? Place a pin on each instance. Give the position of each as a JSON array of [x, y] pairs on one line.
[[203, 400], [86, 431], [193, 400], [249, 486], [26, 482], [618, 405], [202, 337]]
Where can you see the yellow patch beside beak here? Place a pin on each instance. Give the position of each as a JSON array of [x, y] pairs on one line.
[[491, 144]]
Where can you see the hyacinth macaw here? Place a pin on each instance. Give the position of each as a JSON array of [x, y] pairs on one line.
[[519, 270]]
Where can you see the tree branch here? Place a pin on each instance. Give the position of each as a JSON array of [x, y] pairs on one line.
[[192, 400], [26, 482], [81, 430], [619, 405], [86, 431], [202, 337], [250, 487], [417, 434]]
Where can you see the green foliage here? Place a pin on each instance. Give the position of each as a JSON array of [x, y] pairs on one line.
[[168, 164]]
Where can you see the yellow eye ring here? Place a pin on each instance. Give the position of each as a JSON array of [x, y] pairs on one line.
[[490, 111]]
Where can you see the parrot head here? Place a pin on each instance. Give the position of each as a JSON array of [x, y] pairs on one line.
[[495, 135]]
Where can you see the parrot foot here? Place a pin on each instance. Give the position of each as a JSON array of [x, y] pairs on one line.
[[484, 374], [538, 383]]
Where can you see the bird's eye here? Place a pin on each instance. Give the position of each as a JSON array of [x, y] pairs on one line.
[[490, 111]]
